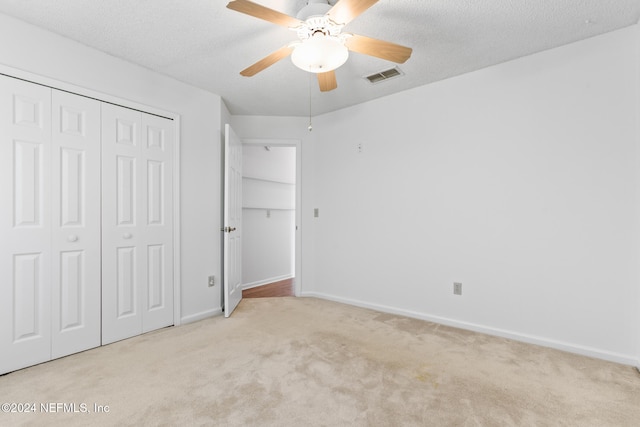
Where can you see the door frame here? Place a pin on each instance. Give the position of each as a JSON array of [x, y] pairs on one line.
[[101, 96], [298, 280]]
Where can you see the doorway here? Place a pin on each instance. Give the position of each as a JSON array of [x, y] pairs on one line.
[[281, 288], [271, 232]]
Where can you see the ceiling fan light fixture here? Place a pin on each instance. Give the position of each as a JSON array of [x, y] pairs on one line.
[[320, 54]]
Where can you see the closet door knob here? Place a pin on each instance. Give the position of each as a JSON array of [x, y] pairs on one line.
[[127, 235], [72, 238]]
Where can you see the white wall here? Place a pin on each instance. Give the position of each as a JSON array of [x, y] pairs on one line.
[[267, 247], [40, 52], [519, 180], [276, 164]]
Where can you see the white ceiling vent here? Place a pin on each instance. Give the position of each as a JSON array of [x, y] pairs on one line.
[[384, 75]]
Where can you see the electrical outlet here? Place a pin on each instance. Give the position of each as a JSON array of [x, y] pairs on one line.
[[212, 281], [457, 288]]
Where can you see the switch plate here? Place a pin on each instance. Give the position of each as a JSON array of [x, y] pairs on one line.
[[360, 147], [212, 281], [457, 288], [316, 212]]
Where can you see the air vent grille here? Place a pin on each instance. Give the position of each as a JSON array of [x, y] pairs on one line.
[[384, 75]]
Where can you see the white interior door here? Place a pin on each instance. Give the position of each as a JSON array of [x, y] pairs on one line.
[[137, 223], [122, 210], [232, 230], [156, 235], [75, 154], [25, 224]]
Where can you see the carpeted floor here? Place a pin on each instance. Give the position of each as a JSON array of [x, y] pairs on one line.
[[309, 362]]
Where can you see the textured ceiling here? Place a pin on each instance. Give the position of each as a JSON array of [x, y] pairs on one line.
[[203, 43]]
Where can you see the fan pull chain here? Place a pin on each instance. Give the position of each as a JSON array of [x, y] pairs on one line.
[[310, 124]]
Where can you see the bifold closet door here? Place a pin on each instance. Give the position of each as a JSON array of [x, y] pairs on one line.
[[25, 224], [75, 153], [137, 223], [50, 224]]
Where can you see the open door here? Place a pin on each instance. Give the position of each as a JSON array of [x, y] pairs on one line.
[[232, 229]]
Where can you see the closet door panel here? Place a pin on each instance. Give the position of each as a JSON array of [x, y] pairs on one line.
[[76, 298], [123, 210], [157, 238], [25, 230]]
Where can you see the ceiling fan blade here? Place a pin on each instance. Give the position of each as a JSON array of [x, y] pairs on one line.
[[267, 61], [262, 12], [327, 81], [378, 48], [346, 11]]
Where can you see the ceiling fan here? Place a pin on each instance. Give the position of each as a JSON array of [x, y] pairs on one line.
[[322, 46]]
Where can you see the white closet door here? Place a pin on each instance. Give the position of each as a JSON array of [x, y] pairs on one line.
[[157, 228], [122, 211], [25, 227], [76, 299], [137, 249]]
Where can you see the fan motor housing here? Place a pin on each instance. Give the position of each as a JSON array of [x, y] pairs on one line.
[[313, 8]]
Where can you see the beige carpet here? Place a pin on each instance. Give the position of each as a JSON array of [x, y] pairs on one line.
[[308, 362]]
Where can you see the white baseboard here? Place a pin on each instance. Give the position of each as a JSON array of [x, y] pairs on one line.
[[531, 339], [199, 316], [266, 281]]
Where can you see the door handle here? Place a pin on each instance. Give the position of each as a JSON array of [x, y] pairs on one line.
[[229, 229], [72, 238], [127, 236]]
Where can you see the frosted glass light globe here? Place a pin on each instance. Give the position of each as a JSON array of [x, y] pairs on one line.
[[320, 54]]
